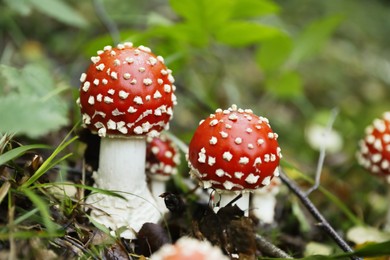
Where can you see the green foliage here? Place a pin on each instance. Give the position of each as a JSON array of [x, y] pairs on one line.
[[30, 103], [57, 9], [16, 152]]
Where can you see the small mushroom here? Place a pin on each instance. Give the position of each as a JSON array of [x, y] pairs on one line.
[[374, 151], [189, 249], [234, 151], [264, 201], [162, 159], [126, 94]]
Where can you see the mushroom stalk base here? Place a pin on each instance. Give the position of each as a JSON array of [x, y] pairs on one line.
[[158, 188], [122, 169], [225, 198]]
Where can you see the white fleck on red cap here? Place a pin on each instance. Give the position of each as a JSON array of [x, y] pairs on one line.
[[162, 157], [126, 91], [235, 150], [374, 149]]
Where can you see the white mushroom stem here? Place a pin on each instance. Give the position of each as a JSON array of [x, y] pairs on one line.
[[122, 169], [225, 197], [158, 187], [263, 207]]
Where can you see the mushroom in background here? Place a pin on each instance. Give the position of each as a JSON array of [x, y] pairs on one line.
[[189, 249], [162, 160], [126, 94], [374, 152], [264, 201], [234, 152]]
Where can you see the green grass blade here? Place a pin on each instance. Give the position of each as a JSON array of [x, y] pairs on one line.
[[29, 234], [48, 163], [16, 152], [43, 210]]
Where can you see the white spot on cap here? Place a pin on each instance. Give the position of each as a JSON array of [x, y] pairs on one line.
[[138, 100], [257, 160], [107, 48], [86, 86], [145, 49], [211, 160], [99, 97], [379, 125], [83, 77], [228, 185], [123, 94], [104, 81], [376, 157], [160, 81], [95, 59], [133, 82], [116, 112], [224, 134], [141, 69], [260, 141], [238, 140], [213, 140], [148, 81], [243, 160], [238, 175], [152, 61], [202, 156], [111, 91], [129, 60], [228, 126], [112, 53], [250, 146], [86, 119], [233, 117], [249, 130], [108, 100], [131, 110], [111, 124], [100, 67], [251, 178], [114, 75], [213, 122], [271, 135], [167, 88], [220, 172], [164, 72], [157, 94], [227, 156], [138, 130], [96, 82], [102, 132], [267, 157], [91, 100], [126, 75], [171, 78], [160, 59]]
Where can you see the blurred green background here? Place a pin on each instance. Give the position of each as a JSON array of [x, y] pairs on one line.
[[292, 61]]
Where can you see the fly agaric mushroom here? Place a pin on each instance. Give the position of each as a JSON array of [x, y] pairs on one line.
[[162, 159], [189, 249], [264, 201], [374, 151], [234, 151], [125, 94]]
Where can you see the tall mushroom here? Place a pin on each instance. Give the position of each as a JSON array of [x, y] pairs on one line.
[[125, 95], [162, 160], [234, 151], [374, 151]]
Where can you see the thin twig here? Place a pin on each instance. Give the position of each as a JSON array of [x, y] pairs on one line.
[[107, 21], [323, 223], [270, 249], [322, 155]]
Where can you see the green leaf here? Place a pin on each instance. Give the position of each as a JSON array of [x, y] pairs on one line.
[[209, 16], [21, 6], [253, 8], [241, 33], [16, 152], [286, 85], [310, 41], [274, 52], [29, 102], [375, 249], [43, 210], [60, 11]]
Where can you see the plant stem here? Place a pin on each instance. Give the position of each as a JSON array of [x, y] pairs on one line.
[[270, 249], [323, 223]]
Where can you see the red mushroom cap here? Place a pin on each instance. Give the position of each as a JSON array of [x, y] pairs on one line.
[[234, 149], [162, 157], [189, 249], [374, 152], [126, 91]]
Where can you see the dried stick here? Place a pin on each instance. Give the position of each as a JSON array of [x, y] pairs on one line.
[[323, 223], [270, 249]]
